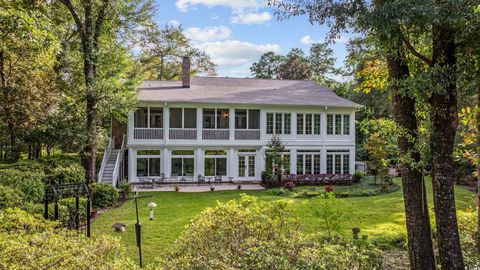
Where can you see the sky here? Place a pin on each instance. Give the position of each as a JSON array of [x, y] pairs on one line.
[[235, 33]]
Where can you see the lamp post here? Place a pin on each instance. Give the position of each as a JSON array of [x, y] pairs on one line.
[[152, 206], [138, 227]]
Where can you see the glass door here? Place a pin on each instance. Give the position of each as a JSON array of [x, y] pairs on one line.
[[246, 166]]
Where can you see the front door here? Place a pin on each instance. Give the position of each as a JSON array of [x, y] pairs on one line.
[[246, 166]]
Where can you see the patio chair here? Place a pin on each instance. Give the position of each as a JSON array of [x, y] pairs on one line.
[[160, 180], [201, 179], [218, 179], [174, 177]]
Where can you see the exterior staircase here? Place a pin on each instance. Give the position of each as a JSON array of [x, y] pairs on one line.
[[107, 176]]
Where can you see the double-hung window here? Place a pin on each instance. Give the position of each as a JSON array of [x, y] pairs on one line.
[[338, 124], [279, 123], [308, 162], [308, 123], [148, 163]]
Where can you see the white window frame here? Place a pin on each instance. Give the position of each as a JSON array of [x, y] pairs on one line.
[[248, 119], [342, 154], [282, 127], [215, 118], [304, 124], [225, 156], [342, 125], [148, 157], [312, 155]]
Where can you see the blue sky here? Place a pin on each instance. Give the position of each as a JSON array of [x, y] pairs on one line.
[[235, 33]]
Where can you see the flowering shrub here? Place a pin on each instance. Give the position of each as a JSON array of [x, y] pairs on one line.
[[328, 188]]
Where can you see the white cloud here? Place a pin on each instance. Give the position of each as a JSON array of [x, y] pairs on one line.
[[208, 33], [173, 23], [251, 18], [307, 40], [184, 5], [235, 52]]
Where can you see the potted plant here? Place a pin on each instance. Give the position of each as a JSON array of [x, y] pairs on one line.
[[177, 188], [239, 187], [125, 189], [212, 189], [329, 188], [289, 185]]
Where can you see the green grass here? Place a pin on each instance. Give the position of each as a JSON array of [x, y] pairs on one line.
[[376, 216]]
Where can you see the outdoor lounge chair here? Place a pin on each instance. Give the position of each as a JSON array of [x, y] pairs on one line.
[[160, 180], [218, 179]]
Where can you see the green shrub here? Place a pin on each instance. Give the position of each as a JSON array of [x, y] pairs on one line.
[[52, 162], [358, 176], [14, 220], [389, 242], [10, 197], [351, 255], [330, 211], [467, 226], [69, 174], [27, 242], [103, 195], [242, 234], [278, 191], [30, 183]]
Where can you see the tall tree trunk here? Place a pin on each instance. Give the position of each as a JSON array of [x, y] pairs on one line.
[[420, 247], [11, 126], [444, 124], [478, 171]]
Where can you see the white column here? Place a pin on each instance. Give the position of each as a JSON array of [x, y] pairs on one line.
[[167, 162], [231, 124], [166, 123], [293, 161], [323, 125], [259, 163], [231, 164], [199, 158], [352, 160], [132, 165], [199, 123], [294, 124], [263, 124], [130, 124], [323, 160]]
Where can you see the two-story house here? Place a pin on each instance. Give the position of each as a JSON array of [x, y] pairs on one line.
[[214, 126]]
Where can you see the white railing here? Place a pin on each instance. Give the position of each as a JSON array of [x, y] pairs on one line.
[[148, 133], [106, 156], [183, 134], [247, 134], [118, 163], [215, 134]]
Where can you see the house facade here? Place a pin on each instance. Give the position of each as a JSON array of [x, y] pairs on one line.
[[221, 127]]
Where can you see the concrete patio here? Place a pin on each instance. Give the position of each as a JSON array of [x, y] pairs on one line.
[[197, 188]]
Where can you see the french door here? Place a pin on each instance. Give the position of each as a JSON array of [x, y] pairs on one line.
[[246, 166]]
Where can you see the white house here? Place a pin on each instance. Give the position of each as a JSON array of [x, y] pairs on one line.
[[213, 126]]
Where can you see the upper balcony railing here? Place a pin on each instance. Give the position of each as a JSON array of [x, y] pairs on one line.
[[247, 134], [183, 134], [148, 133], [215, 134]]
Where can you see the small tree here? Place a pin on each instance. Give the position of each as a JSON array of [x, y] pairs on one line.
[[274, 161], [330, 211], [378, 156]]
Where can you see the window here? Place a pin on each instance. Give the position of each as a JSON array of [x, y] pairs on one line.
[[183, 162], [148, 118], [156, 117], [308, 162], [308, 124], [215, 118], [278, 123], [346, 124], [338, 161], [285, 157], [215, 162], [148, 163], [247, 119], [141, 118], [183, 118], [246, 166], [338, 124]]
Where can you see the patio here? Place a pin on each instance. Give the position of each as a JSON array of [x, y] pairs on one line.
[[197, 188]]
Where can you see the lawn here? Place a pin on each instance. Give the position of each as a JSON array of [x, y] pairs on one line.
[[377, 216]]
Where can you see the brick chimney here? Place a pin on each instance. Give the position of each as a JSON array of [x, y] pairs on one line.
[[186, 72]]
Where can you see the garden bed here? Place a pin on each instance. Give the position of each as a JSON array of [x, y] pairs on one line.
[[362, 189]]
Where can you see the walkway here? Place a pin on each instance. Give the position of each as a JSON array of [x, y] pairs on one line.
[[199, 188]]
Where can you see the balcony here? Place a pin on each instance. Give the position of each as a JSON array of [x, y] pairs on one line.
[[148, 133], [215, 134], [247, 134], [183, 134]]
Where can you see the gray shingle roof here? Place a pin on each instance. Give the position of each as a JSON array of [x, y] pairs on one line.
[[243, 91]]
